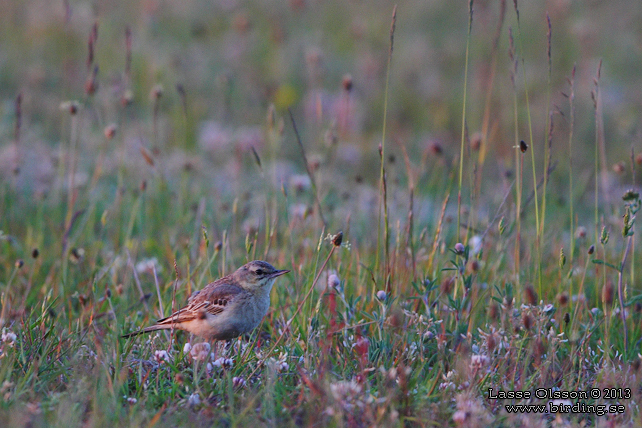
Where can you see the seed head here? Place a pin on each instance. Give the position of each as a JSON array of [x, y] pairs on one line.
[[591, 249], [523, 146], [337, 239], [475, 141], [35, 253], [527, 320], [20, 263], [607, 294], [347, 83], [631, 195], [501, 226], [562, 259], [110, 131], [562, 298], [530, 295], [604, 236]]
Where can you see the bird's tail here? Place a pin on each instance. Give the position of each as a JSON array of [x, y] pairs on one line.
[[148, 330]]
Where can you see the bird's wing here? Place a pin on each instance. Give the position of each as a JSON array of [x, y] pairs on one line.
[[212, 299]]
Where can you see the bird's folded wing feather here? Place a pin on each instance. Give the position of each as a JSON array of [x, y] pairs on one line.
[[212, 299]]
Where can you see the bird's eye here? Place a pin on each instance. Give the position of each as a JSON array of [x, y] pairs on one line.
[[259, 272]]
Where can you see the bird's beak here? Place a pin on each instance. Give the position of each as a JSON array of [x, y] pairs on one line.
[[279, 273]]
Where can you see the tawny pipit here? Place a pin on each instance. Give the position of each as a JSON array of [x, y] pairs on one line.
[[226, 308]]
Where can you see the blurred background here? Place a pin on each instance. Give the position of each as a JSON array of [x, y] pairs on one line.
[[196, 85]]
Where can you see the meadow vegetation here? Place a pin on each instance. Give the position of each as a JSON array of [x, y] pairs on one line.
[[454, 187]]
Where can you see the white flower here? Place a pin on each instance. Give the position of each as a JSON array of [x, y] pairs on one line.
[[132, 400], [187, 348], [161, 356], [223, 362], [148, 265], [381, 295], [8, 336], [333, 281], [478, 361], [200, 351], [194, 400]]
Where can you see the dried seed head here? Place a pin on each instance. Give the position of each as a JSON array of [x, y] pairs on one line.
[[218, 246], [474, 266], [435, 148], [523, 146], [20, 263], [493, 311], [527, 320], [580, 232], [591, 249], [562, 298], [607, 294], [567, 318], [446, 286], [70, 107], [540, 349], [530, 295], [638, 159], [346, 82], [619, 167], [630, 195], [35, 253], [491, 342], [110, 131], [337, 239], [476, 141], [157, 92]]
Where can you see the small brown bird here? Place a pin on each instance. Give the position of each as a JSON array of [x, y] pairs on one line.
[[226, 308]]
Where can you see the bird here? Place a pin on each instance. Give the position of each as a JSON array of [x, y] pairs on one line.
[[226, 308]]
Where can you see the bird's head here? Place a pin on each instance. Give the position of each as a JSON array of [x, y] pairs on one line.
[[257, 275]]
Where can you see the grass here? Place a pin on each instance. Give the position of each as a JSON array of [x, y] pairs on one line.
[[215, 135]]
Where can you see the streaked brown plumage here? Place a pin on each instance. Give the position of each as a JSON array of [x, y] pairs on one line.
[[226, 308]]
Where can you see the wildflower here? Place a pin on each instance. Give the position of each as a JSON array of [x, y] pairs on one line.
[[194, 400], [225, 363], [478, 361], [381, 295], [459, 248], [8, 336], [148, 265], [333, 281], [200, 351], [131, 400], [580, 232], [161, 356], [187, 348], [238, 382]]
